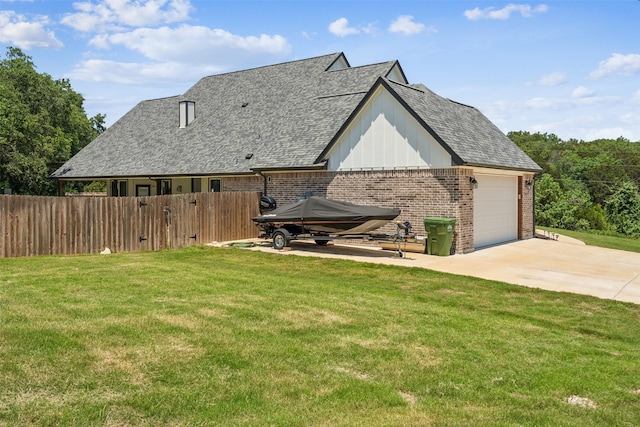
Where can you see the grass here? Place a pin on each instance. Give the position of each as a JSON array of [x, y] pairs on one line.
[[628, 244], [206, 336]]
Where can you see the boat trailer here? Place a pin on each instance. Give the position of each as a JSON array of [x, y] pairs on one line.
[[282, 236]]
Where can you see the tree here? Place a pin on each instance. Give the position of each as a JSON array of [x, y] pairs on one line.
[[540, 147], [570, 209], [623, 209], [579, 178], [42, 124], [599, 171]]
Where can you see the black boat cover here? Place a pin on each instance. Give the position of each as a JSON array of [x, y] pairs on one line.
[[321, 209]]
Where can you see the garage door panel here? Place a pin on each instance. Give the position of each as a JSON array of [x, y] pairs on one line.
[[495, 210]]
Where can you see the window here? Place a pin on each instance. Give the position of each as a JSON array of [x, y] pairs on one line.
[[118, 188], [143, 190], [196, 185], [165, 186], [215, 185], [187, 113]]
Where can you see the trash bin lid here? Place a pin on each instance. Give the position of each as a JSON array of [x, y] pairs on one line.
[[440, 221]]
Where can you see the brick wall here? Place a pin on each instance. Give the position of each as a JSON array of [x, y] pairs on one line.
[[242, 183], [418, 193], [528, 220]]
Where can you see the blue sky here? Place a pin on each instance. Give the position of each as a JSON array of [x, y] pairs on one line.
[[566, 67]]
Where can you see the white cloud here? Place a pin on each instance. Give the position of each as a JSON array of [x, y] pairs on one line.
[[544, 103], [131, 73], [632, 118], [404, 24], [369, 29], [582, 92], [524, 10], [499, 107], [586, 118], [618, 64], [609, 133], [585, 126], [308, 36], [193, 44], [114, 14], [100, 41], [551, 79], [16, 30], [340, 27], [178, 53], [563, 103]]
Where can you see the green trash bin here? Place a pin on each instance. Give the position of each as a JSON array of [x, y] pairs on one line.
[[439, 235]]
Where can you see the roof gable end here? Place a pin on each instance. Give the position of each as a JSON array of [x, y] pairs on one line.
[[340, 63], [396, 74], [468, 132], [384, 82]]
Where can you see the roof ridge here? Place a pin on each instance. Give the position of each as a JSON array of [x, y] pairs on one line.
[[161, 98], [460, 103], [408, 86], [342, 94], [393, 61], [157, 99], [416, 88], [273, 65]]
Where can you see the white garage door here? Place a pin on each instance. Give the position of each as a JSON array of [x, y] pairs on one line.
[[495, 210]]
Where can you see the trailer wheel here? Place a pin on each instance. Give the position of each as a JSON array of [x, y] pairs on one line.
[[281, 238], [322, 242]]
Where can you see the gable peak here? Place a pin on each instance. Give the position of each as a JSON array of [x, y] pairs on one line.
[[340, 63]]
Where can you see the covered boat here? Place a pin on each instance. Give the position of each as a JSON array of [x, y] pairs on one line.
[[317, 215]]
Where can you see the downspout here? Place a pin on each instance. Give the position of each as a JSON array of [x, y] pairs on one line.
[[60, 187], [264, 182]]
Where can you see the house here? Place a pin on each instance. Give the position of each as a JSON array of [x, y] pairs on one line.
[[319, 126]]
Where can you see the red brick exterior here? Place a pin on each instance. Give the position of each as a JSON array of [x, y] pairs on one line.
[[418, 193]]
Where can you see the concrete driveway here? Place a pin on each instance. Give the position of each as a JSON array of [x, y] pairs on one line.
[[564, 265]]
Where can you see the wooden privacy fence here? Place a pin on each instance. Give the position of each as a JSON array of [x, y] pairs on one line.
[[34, 225]]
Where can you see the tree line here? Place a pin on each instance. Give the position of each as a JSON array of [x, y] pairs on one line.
[[585, 185]]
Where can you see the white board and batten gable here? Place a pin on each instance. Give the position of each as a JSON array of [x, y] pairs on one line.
[[384, 135]]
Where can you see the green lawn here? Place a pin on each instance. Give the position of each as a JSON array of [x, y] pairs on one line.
[[628, 244], [206, 336]]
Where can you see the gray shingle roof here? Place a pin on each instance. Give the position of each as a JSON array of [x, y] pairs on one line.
[[293, 110], [464, 130]]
